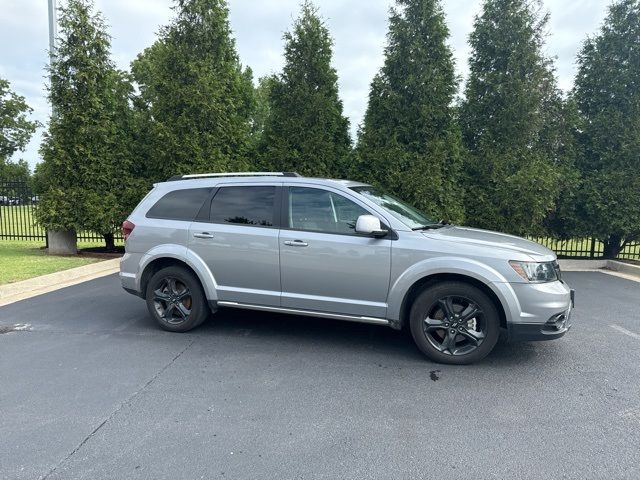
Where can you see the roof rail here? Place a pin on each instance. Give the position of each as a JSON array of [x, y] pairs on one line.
[[233, 174]]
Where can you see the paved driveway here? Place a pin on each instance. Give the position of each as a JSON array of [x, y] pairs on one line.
[[95, 391]]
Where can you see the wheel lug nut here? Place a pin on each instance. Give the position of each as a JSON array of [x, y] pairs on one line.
[[453, 331]]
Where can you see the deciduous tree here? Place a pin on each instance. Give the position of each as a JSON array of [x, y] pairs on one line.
[[15, 127], [16, 130]]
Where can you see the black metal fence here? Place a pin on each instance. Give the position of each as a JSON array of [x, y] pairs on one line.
[[18, 204], [584, 248]]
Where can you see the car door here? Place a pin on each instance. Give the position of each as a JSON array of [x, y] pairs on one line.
[[325, 266], [238, 240]]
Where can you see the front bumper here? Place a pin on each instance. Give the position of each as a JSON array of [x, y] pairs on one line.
[[533, 332], [555, 327], [536, 311]]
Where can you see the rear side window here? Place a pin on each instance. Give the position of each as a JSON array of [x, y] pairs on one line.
[[180, 204], [244, 206]]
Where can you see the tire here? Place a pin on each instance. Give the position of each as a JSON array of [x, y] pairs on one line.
[[175, 299], [476, 331]]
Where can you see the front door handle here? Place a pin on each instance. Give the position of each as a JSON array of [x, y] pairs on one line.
[[203, 235], [296, 243]]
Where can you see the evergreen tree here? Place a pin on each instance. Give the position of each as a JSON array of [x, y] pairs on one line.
[[86, 159], [306, 130], [607, 93], [513, 168], [193, 112], [410, 142], [261, 111]]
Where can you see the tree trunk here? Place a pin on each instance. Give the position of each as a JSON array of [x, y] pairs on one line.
[[612, 246], [109, 242]]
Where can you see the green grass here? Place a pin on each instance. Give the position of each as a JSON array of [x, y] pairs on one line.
[[22, 260]]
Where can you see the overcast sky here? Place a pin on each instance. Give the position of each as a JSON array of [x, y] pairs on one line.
[[358, 28]]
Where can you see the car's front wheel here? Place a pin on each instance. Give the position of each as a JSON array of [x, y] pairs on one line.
[[176, 300], [454, 322]]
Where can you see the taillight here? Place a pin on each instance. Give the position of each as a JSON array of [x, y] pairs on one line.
[[127, 228]]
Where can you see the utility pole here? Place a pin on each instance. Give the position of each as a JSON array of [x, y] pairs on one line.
[[53, 33], [53, 28]]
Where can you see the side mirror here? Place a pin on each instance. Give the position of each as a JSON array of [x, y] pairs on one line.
[[370, 225]]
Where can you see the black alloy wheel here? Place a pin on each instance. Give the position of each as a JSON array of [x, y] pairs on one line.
[[455, 325], [176, 300], [172, 300], [454, 322]]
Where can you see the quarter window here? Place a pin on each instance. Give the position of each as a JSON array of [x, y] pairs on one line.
[[315, 210], [179, 204], [244, 206]]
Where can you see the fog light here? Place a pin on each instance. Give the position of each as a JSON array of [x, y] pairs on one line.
[[557, 322]]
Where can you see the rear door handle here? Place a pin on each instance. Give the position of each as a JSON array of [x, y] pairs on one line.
[[203, 235], [296, 243]]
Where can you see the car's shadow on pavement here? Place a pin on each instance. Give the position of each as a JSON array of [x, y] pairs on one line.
[[335, 336]]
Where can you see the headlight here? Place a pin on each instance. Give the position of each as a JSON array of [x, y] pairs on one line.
[[536, 271]]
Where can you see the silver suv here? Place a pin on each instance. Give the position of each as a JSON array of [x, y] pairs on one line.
[[338, 249]]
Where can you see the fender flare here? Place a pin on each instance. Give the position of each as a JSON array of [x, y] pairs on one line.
[[467, 267], [184, 255]]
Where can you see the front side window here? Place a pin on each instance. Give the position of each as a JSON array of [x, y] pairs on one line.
[[179, 204], [315, 210], [253, 206]]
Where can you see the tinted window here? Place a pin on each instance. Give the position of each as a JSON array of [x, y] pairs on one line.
[[244, 206], [318, 210], [180, 204]]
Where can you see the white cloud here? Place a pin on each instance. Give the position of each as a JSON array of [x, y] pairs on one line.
[[358, 28]]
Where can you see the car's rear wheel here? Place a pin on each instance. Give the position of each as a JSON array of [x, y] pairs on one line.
[[455, 323], [176, 300]]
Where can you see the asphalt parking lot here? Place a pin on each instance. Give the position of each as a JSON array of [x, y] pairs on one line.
[[93, 390]]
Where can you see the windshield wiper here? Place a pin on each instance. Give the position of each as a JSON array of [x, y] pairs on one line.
[[431, 226]]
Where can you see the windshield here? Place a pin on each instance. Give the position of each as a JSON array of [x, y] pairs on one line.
[[408, 215]]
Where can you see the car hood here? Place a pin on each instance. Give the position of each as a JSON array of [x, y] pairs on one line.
[[487, 238]]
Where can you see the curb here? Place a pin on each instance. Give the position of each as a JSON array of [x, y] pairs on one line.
[[610, 267], [622, 267], [14, 292], [569, 265]]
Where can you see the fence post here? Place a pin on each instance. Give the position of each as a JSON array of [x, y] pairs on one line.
[[592, 254]]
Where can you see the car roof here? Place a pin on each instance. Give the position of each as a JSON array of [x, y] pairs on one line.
[[239, 178]]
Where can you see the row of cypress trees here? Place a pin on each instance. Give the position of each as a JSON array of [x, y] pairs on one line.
[[510, 153]]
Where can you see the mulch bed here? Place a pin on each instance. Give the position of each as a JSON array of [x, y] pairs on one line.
[[626, 260], [101, 252]]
